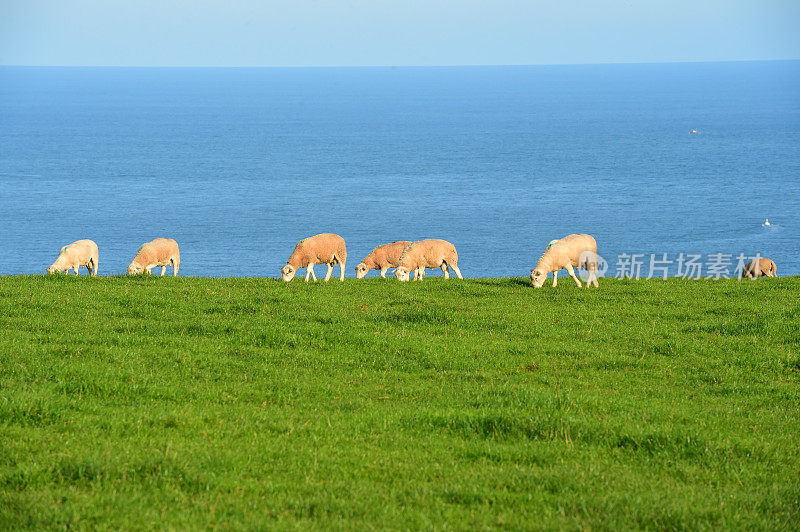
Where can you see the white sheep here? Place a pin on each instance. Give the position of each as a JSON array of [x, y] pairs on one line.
[[326, 248], [382, 258], [79, 253], [569, 252], [430, 253], [764, 267], [158, 252]]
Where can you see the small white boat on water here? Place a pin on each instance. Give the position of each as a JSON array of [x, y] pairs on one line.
[[766, 223]]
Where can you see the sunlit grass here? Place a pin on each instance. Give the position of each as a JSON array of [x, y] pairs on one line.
[[187, 403]]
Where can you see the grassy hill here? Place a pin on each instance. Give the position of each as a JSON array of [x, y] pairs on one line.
[[190, 403]]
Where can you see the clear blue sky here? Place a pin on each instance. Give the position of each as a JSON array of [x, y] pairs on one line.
[[393, 32]]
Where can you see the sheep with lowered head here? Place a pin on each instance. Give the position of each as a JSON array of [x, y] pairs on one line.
[[762, 267], [159, 252], [79, 253], [326, 248], [569, 252], [382, 258], [430, 253]]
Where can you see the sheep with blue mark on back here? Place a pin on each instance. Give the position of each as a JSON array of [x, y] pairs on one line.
[[73, 256], [569, 252]]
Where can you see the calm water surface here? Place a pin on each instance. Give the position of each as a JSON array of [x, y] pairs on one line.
[[239, 164]]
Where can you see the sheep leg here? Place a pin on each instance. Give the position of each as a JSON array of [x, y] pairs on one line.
[[418, 273], [176, 265], [555, 278], [163, 270], [310, 271], [76, 269], [455, 269], [383, 271], [330, 270], [592, 267], [571, 272], [342, 262], [444, 270]]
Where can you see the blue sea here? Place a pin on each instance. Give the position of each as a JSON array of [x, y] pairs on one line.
[[238, 164]]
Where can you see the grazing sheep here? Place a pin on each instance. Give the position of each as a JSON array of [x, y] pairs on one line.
[[327, 248], [382, 258], [159, 252], [430, 253], [764, 267], [569, 252], [79, 253]]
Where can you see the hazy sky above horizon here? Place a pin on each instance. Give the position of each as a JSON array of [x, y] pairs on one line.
[[382, 32]]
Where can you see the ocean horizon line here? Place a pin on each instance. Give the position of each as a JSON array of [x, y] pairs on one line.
[[436, 66]]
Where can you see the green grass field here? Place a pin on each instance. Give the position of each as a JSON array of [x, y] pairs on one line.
[[143, 403]]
